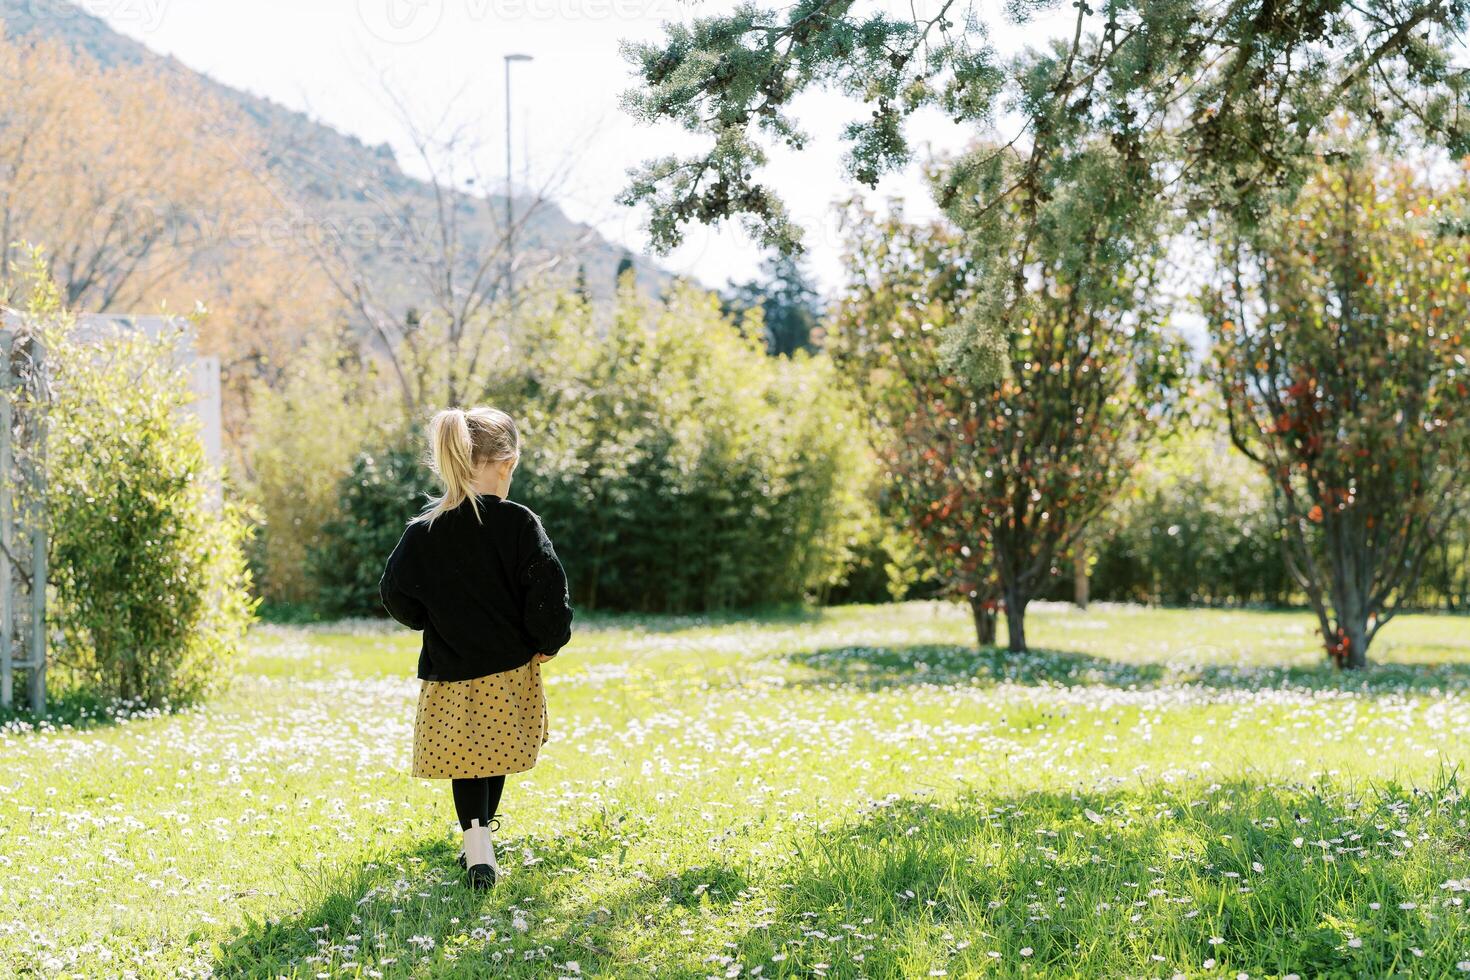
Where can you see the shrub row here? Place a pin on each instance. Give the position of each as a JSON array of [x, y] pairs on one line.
[[677, 466]]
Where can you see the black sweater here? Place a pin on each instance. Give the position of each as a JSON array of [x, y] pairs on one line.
[[489, 594]]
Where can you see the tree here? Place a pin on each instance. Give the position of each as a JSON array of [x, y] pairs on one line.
[[904, 288], [791, 305], [999, 477], [117, 171], [1340, 350], [625, 267], [148, 192], [1226, 99], [579, 287]]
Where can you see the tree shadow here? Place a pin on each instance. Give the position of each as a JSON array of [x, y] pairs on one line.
[[926, 663], [1263, 879], [410, 913], [880, 667], [1054, 883], [79, 711]]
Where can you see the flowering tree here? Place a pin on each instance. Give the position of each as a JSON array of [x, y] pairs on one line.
[[1340, 348], [998, 477]]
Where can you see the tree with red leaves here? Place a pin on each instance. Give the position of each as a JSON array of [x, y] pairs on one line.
[[997, 476], [1340, 347], [923, 423]]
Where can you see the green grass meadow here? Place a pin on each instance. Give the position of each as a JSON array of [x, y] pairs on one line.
[[839, 793]]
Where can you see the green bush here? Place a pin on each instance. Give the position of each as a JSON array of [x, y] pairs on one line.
[[886, 566], [150, 588], [383, 489], [676, 466], [306, 430], [680, 468], [1196, 526]]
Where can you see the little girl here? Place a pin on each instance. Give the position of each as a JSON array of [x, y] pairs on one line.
[[478, 575]]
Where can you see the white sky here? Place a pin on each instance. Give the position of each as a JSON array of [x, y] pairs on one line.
[[325, 57]]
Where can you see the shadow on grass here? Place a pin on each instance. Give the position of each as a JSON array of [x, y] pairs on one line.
[[897, 666], [410, 913], [1267, 879], [1263, 879], [78, 711]]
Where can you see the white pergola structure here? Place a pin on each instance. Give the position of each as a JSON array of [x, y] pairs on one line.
[[23, 541]]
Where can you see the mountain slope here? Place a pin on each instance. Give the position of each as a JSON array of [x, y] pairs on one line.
[[327, 169]]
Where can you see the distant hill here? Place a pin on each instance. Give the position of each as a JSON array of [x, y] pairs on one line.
[[325, 167]]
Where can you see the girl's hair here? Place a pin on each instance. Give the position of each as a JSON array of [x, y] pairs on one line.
[[460, 442]]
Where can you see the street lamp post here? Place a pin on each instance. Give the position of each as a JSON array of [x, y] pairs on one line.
[[510, 228]]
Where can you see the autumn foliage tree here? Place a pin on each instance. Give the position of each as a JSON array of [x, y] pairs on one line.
[[148, 192], [997, 477], [1340, 347]]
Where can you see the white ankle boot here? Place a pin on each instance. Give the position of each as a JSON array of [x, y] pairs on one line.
[[479, 856], [459, 858]]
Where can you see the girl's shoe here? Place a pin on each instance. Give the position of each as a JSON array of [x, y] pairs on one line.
[[480, 856], [494, 826]]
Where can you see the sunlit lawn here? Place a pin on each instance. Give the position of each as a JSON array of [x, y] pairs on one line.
[[853, 792]]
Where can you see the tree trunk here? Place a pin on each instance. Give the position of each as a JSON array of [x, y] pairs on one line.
[[1351, 581], [1016, 619], [1080, 586], [1355, 635], [1349, 646], [983, 610]]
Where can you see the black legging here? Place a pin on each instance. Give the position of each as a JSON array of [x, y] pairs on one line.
[[477, 799]]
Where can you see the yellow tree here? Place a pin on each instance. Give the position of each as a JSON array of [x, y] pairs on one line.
[[148, 192]]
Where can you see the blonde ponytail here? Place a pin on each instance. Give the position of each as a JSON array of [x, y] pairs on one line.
[[460, 442]]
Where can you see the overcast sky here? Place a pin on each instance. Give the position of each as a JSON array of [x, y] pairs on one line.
[[326, 57]]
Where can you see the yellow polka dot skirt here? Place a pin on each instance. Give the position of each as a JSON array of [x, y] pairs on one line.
[[489, 726]]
